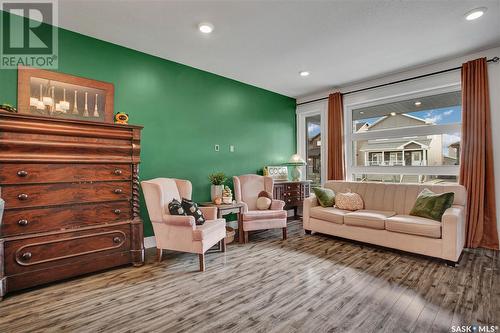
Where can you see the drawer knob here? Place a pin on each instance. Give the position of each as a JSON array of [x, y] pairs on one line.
[[117, 240], [117, 172], [22, 222], [22, 173], [117, 211], [26, 256], [118, 191], [22, 196]]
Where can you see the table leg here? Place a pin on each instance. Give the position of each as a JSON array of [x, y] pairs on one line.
[[240, 228]]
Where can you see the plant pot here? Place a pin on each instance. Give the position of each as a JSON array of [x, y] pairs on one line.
[[216, 191]]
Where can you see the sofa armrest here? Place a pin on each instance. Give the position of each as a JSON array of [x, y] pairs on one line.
[[277, 205], [453, 232], [210, 213], [180, 220], [309, 203]]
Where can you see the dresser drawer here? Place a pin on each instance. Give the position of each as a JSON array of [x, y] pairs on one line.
[[297, 200], [58, 173], [21, 196], [292, 187], [295, 193], [36, 253], [25, 221]]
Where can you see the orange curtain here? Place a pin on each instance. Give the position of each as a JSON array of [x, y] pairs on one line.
[[476, 162], [336, 165]]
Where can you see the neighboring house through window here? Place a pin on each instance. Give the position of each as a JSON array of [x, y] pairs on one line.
[[413, 138]]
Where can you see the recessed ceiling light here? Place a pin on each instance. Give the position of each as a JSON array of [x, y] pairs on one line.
[[418, 103], [304, 73], [206, 27], [393, 114], [475, 13]]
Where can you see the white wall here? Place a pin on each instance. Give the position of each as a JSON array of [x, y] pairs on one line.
[[494, 81]]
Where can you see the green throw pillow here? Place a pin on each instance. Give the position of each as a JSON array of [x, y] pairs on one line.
[[432, 205], [325, 196]]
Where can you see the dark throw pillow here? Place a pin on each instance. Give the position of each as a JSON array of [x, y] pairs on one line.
[[191, 209], [325, 196], [432, 205], [265, 194], [175, 208]]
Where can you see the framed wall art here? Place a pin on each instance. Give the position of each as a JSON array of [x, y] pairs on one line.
[[53, 94]]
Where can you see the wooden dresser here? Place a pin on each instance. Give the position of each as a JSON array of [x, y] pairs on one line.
[[71, 196], [292, 193]]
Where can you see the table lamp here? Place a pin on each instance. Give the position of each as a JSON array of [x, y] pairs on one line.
[[296, 162]]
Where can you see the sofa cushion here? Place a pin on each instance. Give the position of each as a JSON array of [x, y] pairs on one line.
[[263, 203], [175, 208], [431, 205], [206, 229], [191, 209], [329, 214], [414, 225], [325, 196], [350, 201], [252, 215], [374, 219]]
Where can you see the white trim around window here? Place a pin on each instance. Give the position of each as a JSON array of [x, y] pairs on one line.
[[307, 110], [379, 98]]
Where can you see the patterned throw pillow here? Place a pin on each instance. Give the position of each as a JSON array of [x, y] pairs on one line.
[[175, 208], [349, 201], [431, 205], [325, 196], [192, 209]]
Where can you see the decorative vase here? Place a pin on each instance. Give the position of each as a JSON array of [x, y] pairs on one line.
[[216, 191], [296, 173]]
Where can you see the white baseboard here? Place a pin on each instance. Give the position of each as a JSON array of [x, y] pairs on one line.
[[149, 242]]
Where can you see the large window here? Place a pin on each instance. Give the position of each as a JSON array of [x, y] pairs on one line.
[[413, 138], [312, 141]]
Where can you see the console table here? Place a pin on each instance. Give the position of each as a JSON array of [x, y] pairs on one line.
[[292, 193]]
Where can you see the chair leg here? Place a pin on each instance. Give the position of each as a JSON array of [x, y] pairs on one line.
[[159, 253], [284, 233], [222, 245], [201, 257], [245, 237]]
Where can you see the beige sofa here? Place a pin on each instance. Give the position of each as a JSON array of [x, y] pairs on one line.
[[385, 219]]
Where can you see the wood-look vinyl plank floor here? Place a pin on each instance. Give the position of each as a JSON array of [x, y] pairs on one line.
[[308, 283]]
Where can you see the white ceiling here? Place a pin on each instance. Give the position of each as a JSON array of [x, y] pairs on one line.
[[266, 43]]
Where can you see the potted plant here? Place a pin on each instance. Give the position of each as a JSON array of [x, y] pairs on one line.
[[217, 179]]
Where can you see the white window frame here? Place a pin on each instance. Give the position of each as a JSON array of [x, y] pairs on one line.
[[445, 170], [302, 112]]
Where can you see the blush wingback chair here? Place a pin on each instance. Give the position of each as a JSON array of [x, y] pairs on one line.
[[246, 191], [177, 232]]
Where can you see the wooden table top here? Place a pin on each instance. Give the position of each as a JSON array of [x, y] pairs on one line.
[[221, 206]]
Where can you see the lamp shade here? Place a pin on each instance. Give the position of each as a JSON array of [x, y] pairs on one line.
[[296, 160]]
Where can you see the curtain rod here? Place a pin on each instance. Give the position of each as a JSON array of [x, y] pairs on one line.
[[494, 59]]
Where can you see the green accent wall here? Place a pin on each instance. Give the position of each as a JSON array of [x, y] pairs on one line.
[[184, 111]]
